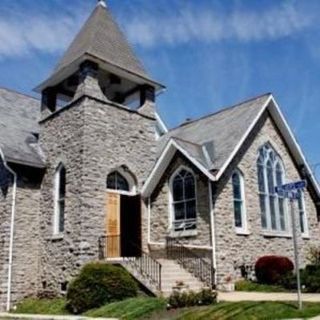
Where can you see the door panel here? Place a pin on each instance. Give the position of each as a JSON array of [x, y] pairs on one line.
[[113, 225]]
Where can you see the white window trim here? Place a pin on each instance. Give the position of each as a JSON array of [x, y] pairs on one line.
[[56, 197], [171, 231], [268, 231], [244, 229]]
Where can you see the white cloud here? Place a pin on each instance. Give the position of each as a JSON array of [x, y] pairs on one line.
[[50, 32], [207, 25], [22, 33]]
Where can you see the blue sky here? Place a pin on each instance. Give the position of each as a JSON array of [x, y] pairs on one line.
[[209, 53]]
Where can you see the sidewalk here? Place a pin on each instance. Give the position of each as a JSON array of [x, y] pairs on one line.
[[266, 296]]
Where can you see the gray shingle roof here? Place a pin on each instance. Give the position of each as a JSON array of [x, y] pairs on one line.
[[18, 127], [101, 37], [224, 128]]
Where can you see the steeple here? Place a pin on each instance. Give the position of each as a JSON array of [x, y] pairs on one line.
[[100, 41]]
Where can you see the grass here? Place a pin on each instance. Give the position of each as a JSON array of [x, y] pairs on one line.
[[42, 306], [130, 309], [245, 285], [155, 309], [250, 311]]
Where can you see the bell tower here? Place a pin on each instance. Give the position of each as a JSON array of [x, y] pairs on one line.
[[100, 63], [97, 118]]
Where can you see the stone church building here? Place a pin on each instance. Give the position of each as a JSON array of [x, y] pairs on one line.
[[91, 173]]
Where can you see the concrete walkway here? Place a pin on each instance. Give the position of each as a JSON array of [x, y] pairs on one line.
[[266, 296], [13, 316]]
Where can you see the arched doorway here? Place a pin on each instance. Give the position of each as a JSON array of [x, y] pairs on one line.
[[123, 216]]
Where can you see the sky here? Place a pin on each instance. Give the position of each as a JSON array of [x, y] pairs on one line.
[[209, 53]]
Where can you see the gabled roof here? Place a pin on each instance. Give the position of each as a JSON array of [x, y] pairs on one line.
[[19, 128], [100, 40], [223, 129], [212, 142]]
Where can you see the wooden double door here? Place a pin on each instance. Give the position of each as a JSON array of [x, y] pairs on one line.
[[123, 225]]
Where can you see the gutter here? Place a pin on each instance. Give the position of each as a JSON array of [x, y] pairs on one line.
[[13, 209]]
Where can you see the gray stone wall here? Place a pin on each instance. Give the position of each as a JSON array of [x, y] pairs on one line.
[[234, 250], [91, 138], [25, 254], [160, 208]]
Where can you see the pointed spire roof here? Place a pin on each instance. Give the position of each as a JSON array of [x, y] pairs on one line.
[[100, 39]]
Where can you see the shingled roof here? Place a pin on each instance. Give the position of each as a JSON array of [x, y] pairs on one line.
[[19, 128], [211, 142], [223, 129], [101, 37]]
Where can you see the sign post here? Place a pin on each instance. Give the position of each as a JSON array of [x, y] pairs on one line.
[[291, 191]]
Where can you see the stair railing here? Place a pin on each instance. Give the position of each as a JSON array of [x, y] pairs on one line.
[[147, 267], [189, 260]]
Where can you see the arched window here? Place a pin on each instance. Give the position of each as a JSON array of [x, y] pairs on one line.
[[183, 192], [272, 205], [117, 181], [238, 201], [60, 192]]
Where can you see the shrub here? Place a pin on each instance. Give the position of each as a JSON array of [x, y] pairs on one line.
[[310, 279], [270, 269], [183, 299], [98, 284], [314, 256]]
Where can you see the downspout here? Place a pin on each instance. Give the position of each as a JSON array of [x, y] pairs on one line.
[[213, 238], [13, 209], [149, 218]]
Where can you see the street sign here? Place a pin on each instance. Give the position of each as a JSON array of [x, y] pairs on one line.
[[291, 191], [298, 185]]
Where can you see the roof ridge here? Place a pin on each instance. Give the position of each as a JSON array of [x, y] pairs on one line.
[[187, 141], [220, 111], [20, 93]]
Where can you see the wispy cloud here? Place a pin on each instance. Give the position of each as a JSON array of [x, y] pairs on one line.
[[207, 25], [24, 32]]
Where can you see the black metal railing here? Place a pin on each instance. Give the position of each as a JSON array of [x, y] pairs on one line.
[[147, 267], [189, 260]]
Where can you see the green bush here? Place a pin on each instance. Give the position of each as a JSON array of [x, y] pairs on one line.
[[98, 284], [183, 299], [310, 279]]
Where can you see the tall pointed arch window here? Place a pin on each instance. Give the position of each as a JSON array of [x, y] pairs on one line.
[[272, 205], [116, 181], [183, 193], [60, 192], [239, 202]]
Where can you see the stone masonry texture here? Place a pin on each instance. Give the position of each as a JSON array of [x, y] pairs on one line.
[[91, 138], [234, 250]]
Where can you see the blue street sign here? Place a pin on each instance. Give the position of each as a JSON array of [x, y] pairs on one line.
[[298, 185]]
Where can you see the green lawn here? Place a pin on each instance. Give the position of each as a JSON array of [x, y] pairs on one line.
[[134, 308], [250, 311], [155, 309], [245, 285], [42, 306]]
